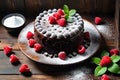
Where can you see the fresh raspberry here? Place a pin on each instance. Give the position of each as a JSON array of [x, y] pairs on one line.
[[105, 77], [98, 20], [60, 11], [24, 68], [62, 55], [29, 35], [57, 15], [87, 35], [114, 51], [61, 22], [37, 47], [81, 49], [13, 58], [51, 20], [31, 42], [106, 60], [7, 50]]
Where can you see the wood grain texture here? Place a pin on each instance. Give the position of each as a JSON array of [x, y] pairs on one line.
[[33, 7]]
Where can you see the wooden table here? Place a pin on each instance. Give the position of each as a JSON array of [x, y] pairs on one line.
[[82, 71]]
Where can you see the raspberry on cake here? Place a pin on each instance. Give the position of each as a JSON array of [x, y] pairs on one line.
[[55, 33]]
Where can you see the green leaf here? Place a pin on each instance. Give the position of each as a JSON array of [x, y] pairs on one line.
[[99, 70], [104, 53], [96, 60], [115, 58], [72, 12], [114, 68], [69, 19], [66, 9]]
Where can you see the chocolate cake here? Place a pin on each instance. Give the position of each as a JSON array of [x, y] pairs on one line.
[[55, 37]]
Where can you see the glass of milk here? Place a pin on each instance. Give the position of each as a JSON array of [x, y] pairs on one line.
[[13, 22]]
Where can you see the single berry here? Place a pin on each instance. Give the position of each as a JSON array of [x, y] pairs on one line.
[[87, 35], [57, 16], [51, 20], [98, 20], [31, 42], [24, 68], [106, 60], [29, 35], [7, 50], [62, 55], [37, 47], [61, 22], [105, 77], [13, 58], [114, 51], [81, 49], [60, 11]]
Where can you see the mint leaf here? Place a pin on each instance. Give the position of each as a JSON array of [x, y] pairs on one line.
[[96, 60], [72, 12], [115, 58], [99, 70], [114, 68], [69, 19], [104, 53], [66, 9]]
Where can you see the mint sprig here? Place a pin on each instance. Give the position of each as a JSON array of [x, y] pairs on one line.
[[68, 13], [113, 68]]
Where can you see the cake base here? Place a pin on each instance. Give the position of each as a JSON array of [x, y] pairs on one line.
[[95, 39]]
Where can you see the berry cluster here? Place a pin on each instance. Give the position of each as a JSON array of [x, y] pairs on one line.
[[58, 17], [32, 43], [14, 59]]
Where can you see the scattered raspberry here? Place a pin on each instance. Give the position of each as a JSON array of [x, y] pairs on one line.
[[57, 16], [14, 58], [37, 47], [98, 20], [29, 35], [24, 68], [81, 49], [114, 51], [106, 60], [51, 20], [105, 77], [87, 35], [7, 50], [61, 22], [31, 42], [60, 11], [62, 55]]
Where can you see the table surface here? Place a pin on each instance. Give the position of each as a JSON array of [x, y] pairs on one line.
[[82, 71]]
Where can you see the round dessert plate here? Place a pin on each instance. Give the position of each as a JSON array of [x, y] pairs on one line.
[[95, 40]]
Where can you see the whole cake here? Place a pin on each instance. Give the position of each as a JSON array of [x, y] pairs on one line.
[[58, 31]]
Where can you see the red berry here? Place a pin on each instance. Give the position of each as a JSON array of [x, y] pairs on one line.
[[60, 11], [105, 77], [51, 20], [106, 60], [98, 20], [62, 55], [31, 42], [61, 22], [37, 47], [87, 35], [81, 49], [57, 16], [13, 58], [29, 35], [24, 68], [114, 51], [7, 50]]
